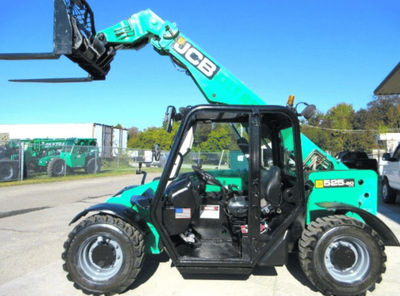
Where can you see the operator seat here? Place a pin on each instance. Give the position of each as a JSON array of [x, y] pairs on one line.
[[270, 190]]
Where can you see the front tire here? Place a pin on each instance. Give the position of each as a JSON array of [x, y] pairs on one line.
[[342, 256], [388, 194], [103, 255], [57, 167]]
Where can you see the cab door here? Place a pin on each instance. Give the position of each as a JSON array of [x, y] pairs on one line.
[[277, 196]]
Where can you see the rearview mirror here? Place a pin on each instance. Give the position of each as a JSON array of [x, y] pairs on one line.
[[156, 152], [169, 118], [308, 111]]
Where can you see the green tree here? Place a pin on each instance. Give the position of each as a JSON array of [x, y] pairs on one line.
[[133, 132], [218, 140], [380, 107], [152, 136]]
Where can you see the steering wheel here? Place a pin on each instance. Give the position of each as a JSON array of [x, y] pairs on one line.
[[206, 177]]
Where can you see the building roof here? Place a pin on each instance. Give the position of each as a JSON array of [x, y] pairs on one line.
[[391, 84]]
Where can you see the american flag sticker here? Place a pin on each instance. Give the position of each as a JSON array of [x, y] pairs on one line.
[[182, 213]]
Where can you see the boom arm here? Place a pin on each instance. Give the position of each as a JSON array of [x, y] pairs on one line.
[[217, 84]]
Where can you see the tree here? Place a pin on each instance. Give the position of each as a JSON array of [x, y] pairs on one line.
[[152, 136], [340, 117], [133, 132], [379, 109]]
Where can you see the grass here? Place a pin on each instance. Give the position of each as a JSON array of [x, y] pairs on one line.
[[43, 178]]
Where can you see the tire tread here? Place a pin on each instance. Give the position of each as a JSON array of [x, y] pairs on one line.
[[134, 235], [309, 239]]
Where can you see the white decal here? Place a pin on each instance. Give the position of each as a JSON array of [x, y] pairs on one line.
[[195, 57]]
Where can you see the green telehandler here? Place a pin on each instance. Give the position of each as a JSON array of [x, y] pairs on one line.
[[287, 195], [75, 153]]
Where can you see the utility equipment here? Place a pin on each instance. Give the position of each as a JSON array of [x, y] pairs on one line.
[[228, 220]]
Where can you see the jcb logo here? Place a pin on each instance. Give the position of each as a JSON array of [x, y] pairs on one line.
[[195, 57]]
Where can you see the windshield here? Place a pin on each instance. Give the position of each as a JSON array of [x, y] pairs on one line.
[[215, 141]]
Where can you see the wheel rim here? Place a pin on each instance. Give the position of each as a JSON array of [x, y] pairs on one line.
[[59, 168], [384, 191], [100, 257], [347, 260], [6, 172]]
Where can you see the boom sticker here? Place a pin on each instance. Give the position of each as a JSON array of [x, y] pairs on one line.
[[334, 183], [195, 57]]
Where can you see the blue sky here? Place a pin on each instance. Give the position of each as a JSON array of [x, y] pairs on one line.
[[323, 52]]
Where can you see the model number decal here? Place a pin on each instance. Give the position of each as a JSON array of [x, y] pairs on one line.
[[334, 183], [195, 57]]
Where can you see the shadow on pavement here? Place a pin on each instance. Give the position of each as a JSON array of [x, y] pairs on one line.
[[149, 267], [294, 268]]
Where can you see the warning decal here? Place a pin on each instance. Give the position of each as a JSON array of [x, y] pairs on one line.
[[209, 212]]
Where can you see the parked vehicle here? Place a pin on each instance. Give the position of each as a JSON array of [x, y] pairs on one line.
[[76, 153], [391, 176], [357, 160]]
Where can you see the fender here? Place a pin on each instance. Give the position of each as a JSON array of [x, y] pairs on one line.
[[387, 236], [119, 211]]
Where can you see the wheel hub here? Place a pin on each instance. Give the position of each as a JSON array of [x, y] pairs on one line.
[[103, 255], [100, 257], [347, 260], [343, 257]]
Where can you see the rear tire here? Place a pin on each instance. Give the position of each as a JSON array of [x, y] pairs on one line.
[[56, 167], [388, 194], [8, 170], [92, 166], [103, 255], [342, 256]]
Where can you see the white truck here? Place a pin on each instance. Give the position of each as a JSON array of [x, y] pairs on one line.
[[391, 176]]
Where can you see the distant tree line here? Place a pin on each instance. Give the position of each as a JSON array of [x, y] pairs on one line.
[[218, 139], [340, 128]]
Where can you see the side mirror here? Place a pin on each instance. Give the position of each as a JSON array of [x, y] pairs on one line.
[[308, 111], [156, 152], [169, 118], [386, 156]]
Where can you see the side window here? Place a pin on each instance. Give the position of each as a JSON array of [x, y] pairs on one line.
[[288, 152], [397, 153]]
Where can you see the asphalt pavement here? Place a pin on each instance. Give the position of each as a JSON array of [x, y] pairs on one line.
[[34, 225]]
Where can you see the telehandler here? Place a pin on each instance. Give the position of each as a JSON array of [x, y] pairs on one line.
[[287, 195]]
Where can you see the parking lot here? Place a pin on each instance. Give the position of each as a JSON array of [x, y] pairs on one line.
[[34, 225]]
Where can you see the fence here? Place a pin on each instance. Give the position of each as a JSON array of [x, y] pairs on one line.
[[11, 160], [23, 159]]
